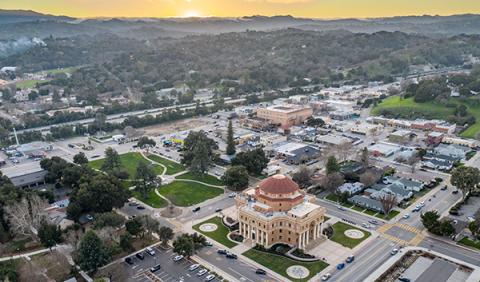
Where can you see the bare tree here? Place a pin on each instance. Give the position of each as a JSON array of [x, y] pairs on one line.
[[388, 201], [332, 181], [26, 215], [302, 176], [344, 151], [369, 177]]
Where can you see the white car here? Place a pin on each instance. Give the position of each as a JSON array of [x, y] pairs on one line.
[[326, 277], [405, 216], [394, 252], [150, 251], [210, 277], [202, 271], [193, 267], [232, 195], [177, 257]]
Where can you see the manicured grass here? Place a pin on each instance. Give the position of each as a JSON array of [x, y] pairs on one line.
[[186, 194], [332, 197], [370, 212], [279, 264], [357, 208], [129, 162], [153, 199], [340, 237], [391, 215], [219, 235], [470, 243], [206, 178], [172, 167]]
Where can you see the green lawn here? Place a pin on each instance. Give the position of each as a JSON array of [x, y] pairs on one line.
[[129, 162], [409, 109], [370, 212], [357, 208], [470, 243], [153, 199], [339, 236], [219, 235], [279, 264], [206, 178], [186, 194], [172, 167], [391, 215]]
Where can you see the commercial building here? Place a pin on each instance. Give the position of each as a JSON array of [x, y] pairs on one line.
[[383, 149], [460, 141], [435, 138], [285, 115], [277, 211], [295, 153], [401, 136], [331, 140], [26, 175]]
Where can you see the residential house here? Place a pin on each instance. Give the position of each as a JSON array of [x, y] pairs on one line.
[[351, 188], [366, 202]]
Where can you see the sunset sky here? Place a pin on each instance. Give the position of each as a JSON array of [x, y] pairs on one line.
[[234, 8]]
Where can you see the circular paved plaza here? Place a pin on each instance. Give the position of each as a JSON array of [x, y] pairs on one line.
[[208, 227], [354, 233], [298, 272]]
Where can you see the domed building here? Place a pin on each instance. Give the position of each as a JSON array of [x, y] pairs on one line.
[[277, 211]]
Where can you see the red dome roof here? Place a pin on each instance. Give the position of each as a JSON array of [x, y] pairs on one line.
[[278, 184]]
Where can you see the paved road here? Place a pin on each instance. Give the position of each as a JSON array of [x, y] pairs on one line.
[[207, 209], [357, 218], [236, 268], [367, 259], [452, 250]]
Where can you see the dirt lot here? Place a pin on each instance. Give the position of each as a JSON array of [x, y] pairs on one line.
[[45, 267], [175, 126]]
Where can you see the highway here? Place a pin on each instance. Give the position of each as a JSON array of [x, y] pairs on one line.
[[118, 118]]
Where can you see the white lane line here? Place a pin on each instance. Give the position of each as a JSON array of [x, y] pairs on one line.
[[238, 273]]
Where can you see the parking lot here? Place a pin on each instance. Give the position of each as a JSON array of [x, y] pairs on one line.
[[170, 271]]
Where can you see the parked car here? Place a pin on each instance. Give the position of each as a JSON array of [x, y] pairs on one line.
[[129, 260], [193, 267], [150, 251], [350, 259], [133, 204], [394, 252], [202, 272], [455, 192], [232, 195], [140, 207], [341, 266], [444, 188], [260, 271], [210, 277], [373, 221], [222, 252], [177, 257], [196, 209], [218, 210], [140, 256], [155, 268], [232, 256], [403, 279], [340, 208], [327, 276], [405, 216], [89, 217]]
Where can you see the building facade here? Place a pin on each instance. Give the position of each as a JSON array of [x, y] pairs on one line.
[[277, 211], [285, 115]]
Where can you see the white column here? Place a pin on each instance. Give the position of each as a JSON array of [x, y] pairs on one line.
[[315, 232], [308, 236], [300, 241], [249, 232], [266, 239]]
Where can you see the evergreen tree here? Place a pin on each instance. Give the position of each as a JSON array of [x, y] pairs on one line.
[[111, 161], [92, 253], [230, 142], [145, 177], [332, 165]]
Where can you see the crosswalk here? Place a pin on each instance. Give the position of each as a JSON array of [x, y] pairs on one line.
[[413, 242]]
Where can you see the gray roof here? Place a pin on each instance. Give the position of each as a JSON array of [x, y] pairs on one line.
[[29, 178], [366, 202], [399, 190]]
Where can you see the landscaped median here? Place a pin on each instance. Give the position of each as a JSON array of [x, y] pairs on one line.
[[280, 264], [216, 230], [335, 199], [348, 235]]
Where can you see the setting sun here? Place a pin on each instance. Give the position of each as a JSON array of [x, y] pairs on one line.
[[191, 14]]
